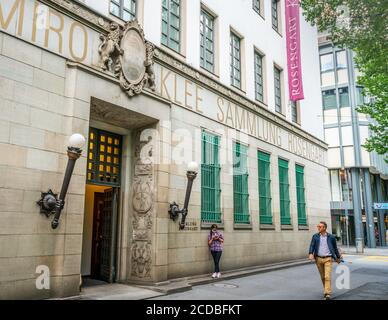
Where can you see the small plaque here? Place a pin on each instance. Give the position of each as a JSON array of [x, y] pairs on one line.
[[191, 225]]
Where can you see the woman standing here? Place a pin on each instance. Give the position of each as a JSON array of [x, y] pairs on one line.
[[215, 241]]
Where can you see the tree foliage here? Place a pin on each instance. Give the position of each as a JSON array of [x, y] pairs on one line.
[[361, 25]]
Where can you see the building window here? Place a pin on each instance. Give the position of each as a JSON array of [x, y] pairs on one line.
[[327, 63], [259, 92], [240, 184], [360, 98], [278, 89], [335, 186], [300, 195], [329, 99], [210, 179], [104, 158], [265, 198], [326, 60], [124, 9], [235, 60], [344, 97], [341, 59], [294, 111], [171, 24], [275, 15], [284, 191], [207, 41], [257, 6]]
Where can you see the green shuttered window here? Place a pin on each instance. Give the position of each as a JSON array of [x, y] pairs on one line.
[[210, 179], [284, 190], [300, 197], [171, 24], [240, 183], [264, 188]]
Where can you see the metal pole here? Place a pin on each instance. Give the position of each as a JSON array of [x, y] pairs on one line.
[[357, 210], [380, 213], [346, 210], [370, 227], [190, 178], [357, 156], [73, 156]]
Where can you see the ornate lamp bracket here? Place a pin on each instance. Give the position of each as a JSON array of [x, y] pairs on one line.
[[47, 202]]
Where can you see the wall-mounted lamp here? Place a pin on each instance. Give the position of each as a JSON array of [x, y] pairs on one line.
[[50, 203], [174, 211]]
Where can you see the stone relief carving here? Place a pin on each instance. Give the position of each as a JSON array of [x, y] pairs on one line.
[[110, 50], [141, 225], [142, 195], [141, 259], [127, 55], [143, 206]]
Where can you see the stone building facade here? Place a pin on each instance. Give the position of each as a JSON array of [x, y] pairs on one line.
[[61, 72]]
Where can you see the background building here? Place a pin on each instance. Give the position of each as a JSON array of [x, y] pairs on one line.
[[357, 178], [220, 89]]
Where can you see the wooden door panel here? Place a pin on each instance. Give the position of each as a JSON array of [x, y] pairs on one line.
[[108, 235], [98, 208]]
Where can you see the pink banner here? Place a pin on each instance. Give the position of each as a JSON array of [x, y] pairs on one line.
[[295, 85]]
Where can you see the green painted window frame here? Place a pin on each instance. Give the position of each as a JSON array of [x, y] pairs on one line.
[[300, 195], [123, 10], [259, 83], [284, 192], [278, 89], [240, 184], [235, 60], [171, 24], [265, 198], [210, 179], [207, 41]]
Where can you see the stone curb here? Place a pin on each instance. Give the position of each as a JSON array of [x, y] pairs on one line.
[[186, 284]]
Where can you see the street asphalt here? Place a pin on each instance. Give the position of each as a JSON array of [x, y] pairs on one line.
[[368, 280]]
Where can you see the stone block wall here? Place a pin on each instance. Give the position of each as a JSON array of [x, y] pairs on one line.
[[188, 252], [37, 116]]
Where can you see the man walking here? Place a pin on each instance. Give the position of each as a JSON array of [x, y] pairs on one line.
[[323, 249]]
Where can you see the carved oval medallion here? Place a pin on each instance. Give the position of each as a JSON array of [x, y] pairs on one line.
[[134, 56], [142, 197]]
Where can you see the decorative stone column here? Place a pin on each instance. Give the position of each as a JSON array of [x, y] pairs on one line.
[[143, 203]]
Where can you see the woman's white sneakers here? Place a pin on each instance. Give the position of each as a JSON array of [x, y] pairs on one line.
[[214, 275], [218, 275]]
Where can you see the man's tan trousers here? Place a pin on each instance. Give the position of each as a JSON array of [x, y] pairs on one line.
[[324, 266]]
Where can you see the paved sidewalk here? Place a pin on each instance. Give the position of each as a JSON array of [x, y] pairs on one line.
[[379, 251], [118, 291], [185, 284], [114, 291]]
